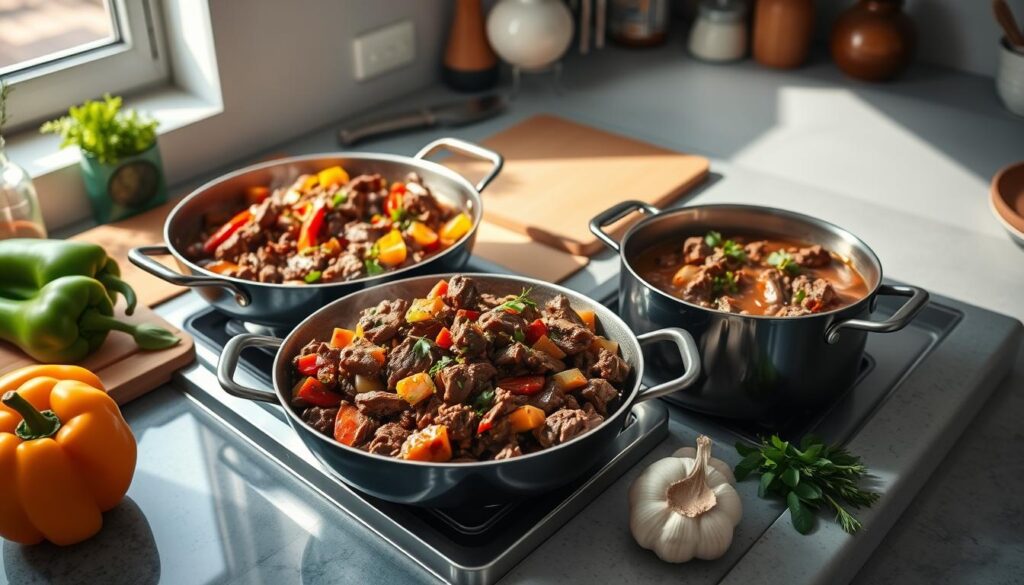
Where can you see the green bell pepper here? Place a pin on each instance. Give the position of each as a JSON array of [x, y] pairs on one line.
[[27, 265], [68, 319]]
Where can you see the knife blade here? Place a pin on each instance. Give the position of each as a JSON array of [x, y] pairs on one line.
[[449, 114]]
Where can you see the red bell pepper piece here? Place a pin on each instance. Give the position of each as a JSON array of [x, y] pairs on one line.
[[484, 426], [394, 201], [535, 331], [444, 338], [315, 393], [308, 364], [221, 235], [440, 289], [346, 425], [311, 227], [468, 313], [527, 385]]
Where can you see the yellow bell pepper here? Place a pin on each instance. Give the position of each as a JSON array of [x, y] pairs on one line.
[[66, 454]]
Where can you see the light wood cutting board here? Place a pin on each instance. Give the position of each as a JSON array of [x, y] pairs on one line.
[[126, 371], [559, 174]]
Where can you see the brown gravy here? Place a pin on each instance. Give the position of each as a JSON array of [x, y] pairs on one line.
[[772, 277]]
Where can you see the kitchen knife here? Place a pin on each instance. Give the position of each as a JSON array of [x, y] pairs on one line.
[[450, 114]]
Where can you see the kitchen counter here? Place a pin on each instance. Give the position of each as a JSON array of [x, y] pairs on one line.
[[908, 174]]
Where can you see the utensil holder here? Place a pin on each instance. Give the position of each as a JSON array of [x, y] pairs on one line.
[[1010, 78]]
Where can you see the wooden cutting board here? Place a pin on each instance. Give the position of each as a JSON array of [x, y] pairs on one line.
[[559, 174], [126, 371]]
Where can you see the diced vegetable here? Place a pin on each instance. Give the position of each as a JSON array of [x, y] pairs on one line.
[[346, 425], [415, 388], [526, 418], [308, 364], [423, 309], [444, 338], [608, 344], [455, 228], [313, 276], [310, 182], [315, 393], [221, 266], [391, 247], [523, 384], [221, 235], [368, 384], [332, 176], [255, 194], [547, 346], [589, 317], [379, 354], [684, 275], [332, 246], [430, 444], [393, 203], [569, 379], [535, 331], [468, 313], [424, 236], [359, 330], [311, 227], [341, 338], [484, 426], [440, 289]]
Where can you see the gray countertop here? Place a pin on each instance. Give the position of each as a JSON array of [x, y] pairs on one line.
[[905, 166]]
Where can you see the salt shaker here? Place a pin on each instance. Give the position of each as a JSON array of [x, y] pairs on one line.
[[720, 31]]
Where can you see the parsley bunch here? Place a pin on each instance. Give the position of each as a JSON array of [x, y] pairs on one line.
[[103, 130], [808, 478]]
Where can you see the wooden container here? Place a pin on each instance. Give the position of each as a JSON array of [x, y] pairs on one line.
[[873, 40], [469, 63], [782, 32]]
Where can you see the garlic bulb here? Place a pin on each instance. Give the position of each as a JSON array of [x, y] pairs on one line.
[[683, 508], [718, 465]]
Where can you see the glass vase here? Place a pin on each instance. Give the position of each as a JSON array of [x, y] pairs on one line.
[[20, 215]]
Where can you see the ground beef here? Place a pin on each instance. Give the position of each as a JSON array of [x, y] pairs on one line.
[[388, 440], [380, 403], [381, 323]]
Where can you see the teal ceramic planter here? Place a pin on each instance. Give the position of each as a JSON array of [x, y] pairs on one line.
[[134, 184]]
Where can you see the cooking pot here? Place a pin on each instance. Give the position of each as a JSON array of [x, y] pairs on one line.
[[755, 367], [281, 306], [456, 484]]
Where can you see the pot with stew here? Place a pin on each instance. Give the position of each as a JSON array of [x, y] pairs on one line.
[[779, 302]]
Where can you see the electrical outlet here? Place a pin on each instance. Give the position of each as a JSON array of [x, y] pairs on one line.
[[384, 49]]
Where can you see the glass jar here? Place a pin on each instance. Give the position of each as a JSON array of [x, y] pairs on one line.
[[20, 215], [720, 31]]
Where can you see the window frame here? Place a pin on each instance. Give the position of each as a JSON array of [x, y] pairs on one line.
[[134, 61]]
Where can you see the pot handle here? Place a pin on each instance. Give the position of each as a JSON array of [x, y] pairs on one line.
[[687, 350], [142, 257], [900, 319], [614, 214], [468, 149], [229, 363]]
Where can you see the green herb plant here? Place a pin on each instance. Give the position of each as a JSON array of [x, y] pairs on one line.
[[784, 261], [520, 302], [808, 478], [102, 130], [730, 248]]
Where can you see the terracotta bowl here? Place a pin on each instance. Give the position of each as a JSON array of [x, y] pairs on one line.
[[1007, 197]]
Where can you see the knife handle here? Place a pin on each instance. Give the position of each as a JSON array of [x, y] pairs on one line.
[[407, 121]]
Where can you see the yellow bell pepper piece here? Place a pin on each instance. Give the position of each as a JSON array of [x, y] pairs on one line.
[[332, 176], [455, 228], [391, 247], [66, 454]]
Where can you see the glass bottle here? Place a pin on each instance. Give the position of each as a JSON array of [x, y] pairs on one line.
[[20, 215]]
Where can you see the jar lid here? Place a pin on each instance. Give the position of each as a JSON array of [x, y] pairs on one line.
[[723, 10]]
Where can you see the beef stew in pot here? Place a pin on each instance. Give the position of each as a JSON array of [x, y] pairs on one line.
[[752, 276], [461, 376], [327, 227]]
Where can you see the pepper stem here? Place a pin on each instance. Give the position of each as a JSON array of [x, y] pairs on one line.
[[146, 335], [113, 283], [34, 424]]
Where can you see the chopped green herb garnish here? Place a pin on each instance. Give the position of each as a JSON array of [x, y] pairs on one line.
[[373, 267], [441, 364], [339, 198], [519, 303], [799, 297], [713, 239], [422, 347], [483, 401], [312, 276], [518, 335], [734, 250], [725, 283], [397, 215], [784, 261], [373, 252]]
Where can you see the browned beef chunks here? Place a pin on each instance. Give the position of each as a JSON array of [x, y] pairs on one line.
[[812, 257], [459, 382], [814, 295], [502, 325], [695, 250], [509, 451], [565, 425], [388, 440], [426, 412], [382, 323], [755, 250], [321, 419], [610, 367], [517, 358], [599, 393], [549, 399], [467, 338], [380, 403], [773, 287], [412, 356], [504, 403], [358, 358], [418, 202], [461, 293], [461, 421], [345, 266]]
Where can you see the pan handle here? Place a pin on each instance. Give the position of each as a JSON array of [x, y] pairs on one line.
[[687, 350], [142, 257], [468, 149], [900, 319], [614, 214], [229, 363]]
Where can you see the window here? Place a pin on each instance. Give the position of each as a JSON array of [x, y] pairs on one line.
[[57, 53]]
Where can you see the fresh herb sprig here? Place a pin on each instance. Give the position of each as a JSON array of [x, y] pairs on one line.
[[725, 283], [784, 261], [731, 248], [520, 302], [808, 478], [439, 365]]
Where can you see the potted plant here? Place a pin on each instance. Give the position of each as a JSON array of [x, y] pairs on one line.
[[120, 158]]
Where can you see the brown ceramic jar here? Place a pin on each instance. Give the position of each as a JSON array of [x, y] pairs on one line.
[[873, 40], [782, 32]]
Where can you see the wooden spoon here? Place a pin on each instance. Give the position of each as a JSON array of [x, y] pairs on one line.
[[1004, 16]]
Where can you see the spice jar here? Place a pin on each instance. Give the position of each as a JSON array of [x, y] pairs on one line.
[[720, 31], [20, 215], [783, 30], [638, 23]]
